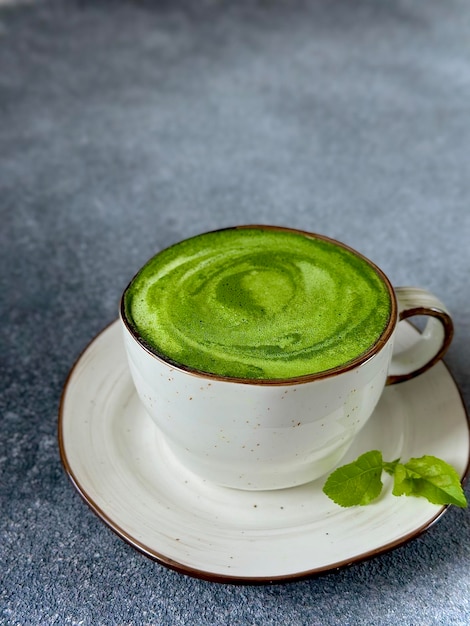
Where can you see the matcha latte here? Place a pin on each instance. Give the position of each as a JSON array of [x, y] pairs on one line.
[[258, 303]]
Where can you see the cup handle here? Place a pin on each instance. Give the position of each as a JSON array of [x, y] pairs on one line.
[[431, 344]]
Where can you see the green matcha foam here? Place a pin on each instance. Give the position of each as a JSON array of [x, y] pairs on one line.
[[258, 303]]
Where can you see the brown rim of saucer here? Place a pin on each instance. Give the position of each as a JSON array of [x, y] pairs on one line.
[[201, 574], [340, 369]]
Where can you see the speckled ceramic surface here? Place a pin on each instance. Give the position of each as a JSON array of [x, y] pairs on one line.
[[116, 459]]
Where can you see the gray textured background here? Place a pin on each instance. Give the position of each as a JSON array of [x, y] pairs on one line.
[[126, 126]]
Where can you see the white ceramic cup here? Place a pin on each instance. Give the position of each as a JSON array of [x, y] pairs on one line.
[[256, 435]]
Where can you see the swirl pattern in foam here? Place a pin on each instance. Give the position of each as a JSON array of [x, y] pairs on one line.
[[258, 303]]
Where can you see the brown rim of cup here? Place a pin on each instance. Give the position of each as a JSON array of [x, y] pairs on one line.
[[340, 369]]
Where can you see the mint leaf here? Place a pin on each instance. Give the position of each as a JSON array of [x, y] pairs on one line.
[[391, 467], [357, 483], [431, 478]]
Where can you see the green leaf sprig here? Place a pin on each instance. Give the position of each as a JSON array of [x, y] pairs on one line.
[[360, 482]]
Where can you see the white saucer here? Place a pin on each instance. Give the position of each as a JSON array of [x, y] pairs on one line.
[[113, 453]]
